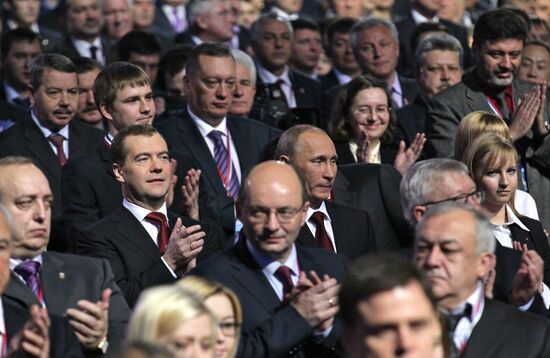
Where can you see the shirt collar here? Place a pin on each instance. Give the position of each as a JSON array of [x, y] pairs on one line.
[[85, 44], [13, 25], [46, 132], [270, 265], [342, 77], [204, 127], [139, 212], [11, 93], [418, 18], [14, 262], [322, 208], [268, 77], [476, 300], [396, 85], [513, 219], [284, 14]]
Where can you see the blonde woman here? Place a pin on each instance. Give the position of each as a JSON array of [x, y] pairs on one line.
[[477, 123], [173, 317], [225, 306]]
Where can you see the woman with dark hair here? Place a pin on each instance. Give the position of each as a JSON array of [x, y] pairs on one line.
[[363, 127]]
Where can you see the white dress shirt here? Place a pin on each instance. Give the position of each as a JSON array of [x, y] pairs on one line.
[[169, 12], [3, 331], [420, 19], [343, 79], [14, 262], [268, 77], [46, 132], [465, 326], [326, 221], [83, 48], [397, 92]]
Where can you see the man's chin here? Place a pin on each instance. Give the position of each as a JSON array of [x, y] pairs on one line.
[[500, 82]]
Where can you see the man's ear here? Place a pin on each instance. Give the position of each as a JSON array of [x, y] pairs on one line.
[[201, 22], [418, 212], [117, 171], [487, 262], [285, 159], [105, 112]]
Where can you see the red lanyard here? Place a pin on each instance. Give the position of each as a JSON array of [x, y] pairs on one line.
[[225, 176], [4, 348]]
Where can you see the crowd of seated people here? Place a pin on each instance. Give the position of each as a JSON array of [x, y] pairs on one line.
[[274, 178]]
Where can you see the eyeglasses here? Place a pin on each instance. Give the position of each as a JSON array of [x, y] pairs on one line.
[[229, 329], [284, 215], [366, 111], [477, 195]]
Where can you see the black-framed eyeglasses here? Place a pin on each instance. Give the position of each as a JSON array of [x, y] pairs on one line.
[[477, 195], [229, 329], [284, 215]]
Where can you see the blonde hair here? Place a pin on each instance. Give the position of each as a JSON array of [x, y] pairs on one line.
[[161, 310], [205, 289], [490, 151], [475, 124]]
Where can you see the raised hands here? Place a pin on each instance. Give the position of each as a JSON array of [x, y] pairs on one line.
[[363, 147], [528, 278], [34, 339], [184, 246], [190, 194], [405, 158], [90, 321], [527, 111]]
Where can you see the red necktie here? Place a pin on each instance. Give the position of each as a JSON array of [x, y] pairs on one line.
[[162, 237], [57, 140], [321, 234], [283, 274]]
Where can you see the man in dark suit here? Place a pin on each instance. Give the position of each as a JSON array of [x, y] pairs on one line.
[[90, 191], [437, 66], [454, 246], [170, 17], [49, 136], [83, 289], [83, 32], [426, 11], [29, 332], [286, 312], [387, 293], [205, 131], [329, 225], [279, 89], [491, 86], [136, 238]]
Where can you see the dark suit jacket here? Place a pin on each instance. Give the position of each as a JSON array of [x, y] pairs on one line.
[[449, 107], [185, 38], [306, 91], [161, 21], [65, 47], [505, 332], [249, 137], [406, 26], [270, 327], [328, 81], [411, 119], [387, 153], [26, 139], [90, 191], [375, 189], [69, 278], [352, 228], [9, 115], [63, 341], [136, 261]]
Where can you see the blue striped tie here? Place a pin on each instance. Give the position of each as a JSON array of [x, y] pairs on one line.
[[220, 156]]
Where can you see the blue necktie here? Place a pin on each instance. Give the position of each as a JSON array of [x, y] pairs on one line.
[[229, 177]]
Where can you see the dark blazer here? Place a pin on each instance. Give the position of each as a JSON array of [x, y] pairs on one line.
[[411, 119], [352, 228], [63, 341], [25, 139], [90, 191], [449, 107], [10, 114], [505, 332], [375, 189], [186, 38], [65, 47], [306, 91], [69, 278], [161, 21], [387, 153], [249, 137], [270, 327], [406, 26], [135, 259], [328, 81]]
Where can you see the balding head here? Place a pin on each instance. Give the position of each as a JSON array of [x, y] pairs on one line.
[[272, 208]]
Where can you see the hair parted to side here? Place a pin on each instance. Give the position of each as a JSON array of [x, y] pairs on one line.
[[118, 147], [115, 77]]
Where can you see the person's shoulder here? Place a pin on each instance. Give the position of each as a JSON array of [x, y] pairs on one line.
[[217, 265], [504, 312], [91, 264], [250, 123], [105, 225], [85, 128]]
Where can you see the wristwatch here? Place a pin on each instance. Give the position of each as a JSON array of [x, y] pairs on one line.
[[103, 345]]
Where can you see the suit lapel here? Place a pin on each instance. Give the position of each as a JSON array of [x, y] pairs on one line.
[[130, 229], [56, 283], [340, 191], [18, 291], [298, 89], [477, 100], [485, 338], [105, 157], [38, 145], [340, 229], [241, 138]]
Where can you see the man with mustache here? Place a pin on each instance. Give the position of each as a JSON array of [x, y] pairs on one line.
[[87, 70], [491, 86], [454, 246], [49, 136]]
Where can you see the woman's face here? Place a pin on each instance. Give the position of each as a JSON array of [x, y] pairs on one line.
[[192, 339], [221, 307], [500, 183], [369, 113]]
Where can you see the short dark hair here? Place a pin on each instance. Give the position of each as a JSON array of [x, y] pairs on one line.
[[114, 77], [544, 45], [171, 63], [373, 274], [139, 42], [51, 60], [302, 23], [205, 49], [499, 24], [86, 64], [19, 34], [118, 149], [423, 28], [340, 26]]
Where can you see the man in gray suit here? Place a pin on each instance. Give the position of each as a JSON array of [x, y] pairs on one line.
[[80, 288], [490, 86]]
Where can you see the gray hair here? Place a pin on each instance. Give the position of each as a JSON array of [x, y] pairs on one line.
[[437, 41], [52, 60], [485, 240], [242, 58], [260, 21], [367, 24], [417, 185], [196, 8]]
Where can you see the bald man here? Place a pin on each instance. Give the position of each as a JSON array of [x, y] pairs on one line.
[[272, 206]]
